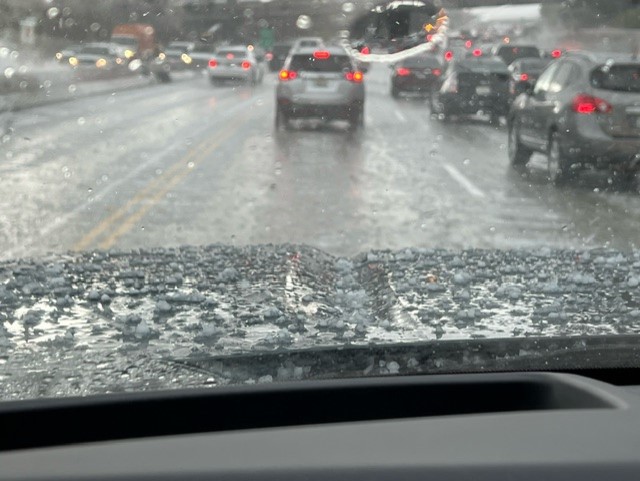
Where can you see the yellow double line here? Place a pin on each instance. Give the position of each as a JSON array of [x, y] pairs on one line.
[[122, 221]]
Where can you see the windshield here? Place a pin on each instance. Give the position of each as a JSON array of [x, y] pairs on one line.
[[621, 78], [187, 180]]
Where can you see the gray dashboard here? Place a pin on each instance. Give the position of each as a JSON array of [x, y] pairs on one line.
[[573, 427]]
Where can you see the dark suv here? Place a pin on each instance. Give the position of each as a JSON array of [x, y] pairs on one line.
[[584, 111]]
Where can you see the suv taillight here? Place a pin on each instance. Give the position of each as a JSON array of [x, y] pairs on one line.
[[587, 104], [356, 77], [403, 71], [287, 75], [246, 65], [213, 63]]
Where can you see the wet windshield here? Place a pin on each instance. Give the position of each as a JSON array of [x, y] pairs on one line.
[[192, 179]]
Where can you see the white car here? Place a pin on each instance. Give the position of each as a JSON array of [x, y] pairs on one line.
[[235, 63]]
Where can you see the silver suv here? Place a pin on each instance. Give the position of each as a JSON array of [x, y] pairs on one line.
[[321, 84], [584, 111]]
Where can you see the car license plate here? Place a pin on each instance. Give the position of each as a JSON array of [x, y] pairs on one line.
[[321, 83], [420, 75], [483, 90]]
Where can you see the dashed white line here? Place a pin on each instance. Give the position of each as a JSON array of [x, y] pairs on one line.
[[400, 116], [463, 181]]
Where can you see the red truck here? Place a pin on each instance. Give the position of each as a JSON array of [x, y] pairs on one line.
[[138, 38]]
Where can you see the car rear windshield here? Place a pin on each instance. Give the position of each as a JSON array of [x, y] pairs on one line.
[[228, 52], [308, 43], [621, 78], [421, 61], [308, 63], [96, 50], [204, 49], [509, 54]]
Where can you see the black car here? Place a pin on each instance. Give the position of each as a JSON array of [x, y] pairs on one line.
[[278, 54], [584, 111], [524, 73], [472, 85], [510, 53], [419, 75]]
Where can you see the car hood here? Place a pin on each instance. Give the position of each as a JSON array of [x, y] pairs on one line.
[[83, 323]]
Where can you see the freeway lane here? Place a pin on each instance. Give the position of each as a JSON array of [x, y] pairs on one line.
[[188, 163]]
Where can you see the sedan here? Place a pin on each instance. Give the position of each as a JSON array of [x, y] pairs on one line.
[[235, 63]]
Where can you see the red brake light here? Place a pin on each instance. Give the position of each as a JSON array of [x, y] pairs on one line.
[[429, 37], [213, 63], [230, 56], [437, 72], [321, 54], [448, 55], [403, 71], [287, 75], [356, 77], [365, 50], [586, 104], [477, 52], [524, 77], [556, 53], [246, 65], [468, 44]]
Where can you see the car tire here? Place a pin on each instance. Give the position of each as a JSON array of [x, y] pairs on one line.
[[519, 155], [395, 93], [282, 120], [558, 168], [356, 119]]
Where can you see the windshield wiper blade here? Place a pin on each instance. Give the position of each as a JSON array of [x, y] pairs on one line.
[[562, 354]]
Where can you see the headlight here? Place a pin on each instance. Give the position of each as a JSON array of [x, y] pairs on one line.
[[119, 61], [185, 58], [129, 53], [101, 63], [59, 56], [73, 61], [162, 56]]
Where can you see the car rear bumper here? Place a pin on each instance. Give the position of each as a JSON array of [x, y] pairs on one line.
[[456, 104], [414, 85], [219, 73], [588, 144], [319, 110]]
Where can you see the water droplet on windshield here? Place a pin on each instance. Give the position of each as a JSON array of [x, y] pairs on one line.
[[466, 161], [81, 121], [492, 229], [304, 22], [72, 88], [89, 190], [53, 12], [189, 141], [191, 165], [46, 84], [8, 72], [104, 178], [158, 171]]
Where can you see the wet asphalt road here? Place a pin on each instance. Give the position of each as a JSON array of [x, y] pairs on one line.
[[188, 163]]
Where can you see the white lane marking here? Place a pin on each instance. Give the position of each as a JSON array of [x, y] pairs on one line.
[[400, 117], [463, 181], [170, 153]]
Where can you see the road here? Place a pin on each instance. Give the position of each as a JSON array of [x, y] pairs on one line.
[[188, 163]]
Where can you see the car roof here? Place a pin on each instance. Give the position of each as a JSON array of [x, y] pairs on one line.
[[310, 50], [603, 57], [233, 47]]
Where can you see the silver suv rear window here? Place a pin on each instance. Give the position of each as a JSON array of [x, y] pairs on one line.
[[308, 63], [621, 78]]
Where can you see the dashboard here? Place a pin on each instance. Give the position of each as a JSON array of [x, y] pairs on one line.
[[506, 426]]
